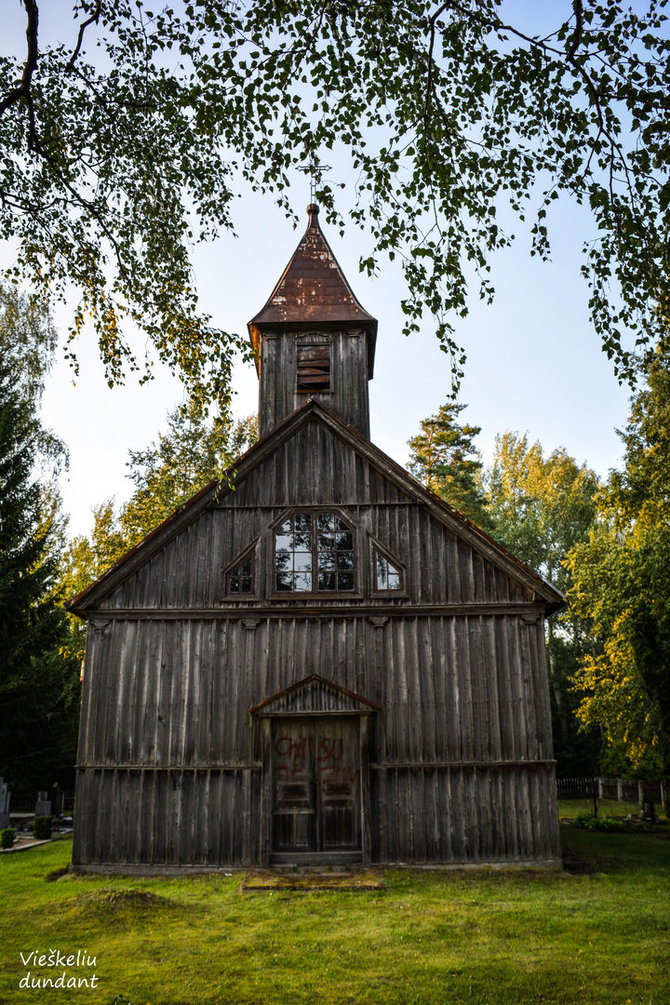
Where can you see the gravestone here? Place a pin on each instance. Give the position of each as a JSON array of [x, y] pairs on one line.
[[43, 805], [56, 800], [5, 796], [648, 809]]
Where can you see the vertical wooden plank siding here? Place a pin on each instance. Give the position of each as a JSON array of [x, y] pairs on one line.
[[453, 690], [459, 760], [440, 568]]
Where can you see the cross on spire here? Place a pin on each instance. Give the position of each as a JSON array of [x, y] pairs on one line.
[[315, 171]]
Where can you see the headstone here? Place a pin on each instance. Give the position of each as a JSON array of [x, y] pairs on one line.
[[648, 809], [56, 800], [43, 805], [5, 796]]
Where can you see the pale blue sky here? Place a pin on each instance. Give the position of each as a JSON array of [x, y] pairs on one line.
[[534, 363]]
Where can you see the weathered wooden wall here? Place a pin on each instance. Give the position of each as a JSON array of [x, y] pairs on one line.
[[349, 377], [316, 468], [461, 741], [460, 759]]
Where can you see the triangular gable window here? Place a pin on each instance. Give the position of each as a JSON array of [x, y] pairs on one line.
[[241, 575], [388, 577]]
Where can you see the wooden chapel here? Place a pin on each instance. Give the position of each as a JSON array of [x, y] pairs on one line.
[[319, 661]]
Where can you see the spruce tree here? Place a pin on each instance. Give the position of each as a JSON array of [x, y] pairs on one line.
[[38, 688]]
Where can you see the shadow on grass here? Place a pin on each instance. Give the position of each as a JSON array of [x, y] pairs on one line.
[[631, 850]]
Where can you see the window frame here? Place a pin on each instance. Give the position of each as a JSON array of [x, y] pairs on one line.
[[297, 595]]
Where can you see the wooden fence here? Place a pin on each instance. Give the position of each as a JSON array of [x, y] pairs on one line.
[[628, 789]]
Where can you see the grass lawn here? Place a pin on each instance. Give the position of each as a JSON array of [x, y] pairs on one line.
[[570, 808], [598, 934]]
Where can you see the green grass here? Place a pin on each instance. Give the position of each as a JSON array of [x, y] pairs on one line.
[[569, 808], [599, 934]]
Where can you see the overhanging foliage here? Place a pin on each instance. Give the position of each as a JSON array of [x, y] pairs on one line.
[[124, 143]]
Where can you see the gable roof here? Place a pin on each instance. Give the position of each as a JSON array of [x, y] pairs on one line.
[[455, 522], [313, 290]]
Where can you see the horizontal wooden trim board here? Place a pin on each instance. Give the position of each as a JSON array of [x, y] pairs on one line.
[[378, 766], [400, 609], [419, 765], [177, 768], [356, 505]]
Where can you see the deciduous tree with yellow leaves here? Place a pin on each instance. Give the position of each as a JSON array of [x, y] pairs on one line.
[[622, 590]]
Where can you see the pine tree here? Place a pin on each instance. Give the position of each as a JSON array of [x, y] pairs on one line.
[[445, 459]]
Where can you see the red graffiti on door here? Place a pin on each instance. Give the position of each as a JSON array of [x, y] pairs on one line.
[[295, 755]]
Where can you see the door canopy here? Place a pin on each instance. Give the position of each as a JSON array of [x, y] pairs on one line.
[[314, 696]]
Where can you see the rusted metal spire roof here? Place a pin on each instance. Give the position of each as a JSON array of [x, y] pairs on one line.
[[312, 290]]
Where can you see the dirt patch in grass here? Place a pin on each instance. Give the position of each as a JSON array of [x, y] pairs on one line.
[[308, 881], [112, 903]]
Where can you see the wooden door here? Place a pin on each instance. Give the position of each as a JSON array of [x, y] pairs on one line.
[[316, 776]]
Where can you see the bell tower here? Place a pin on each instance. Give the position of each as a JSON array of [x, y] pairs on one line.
[[313, 339]]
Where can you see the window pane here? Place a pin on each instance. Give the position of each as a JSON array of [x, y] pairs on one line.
[[302, 561], [297, 548], [283, 561], [388, 576], [284, 542], [345, 541], [381, 572], [326, 560], [240, 580]]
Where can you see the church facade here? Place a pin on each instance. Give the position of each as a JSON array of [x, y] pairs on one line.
[[316, 661]]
